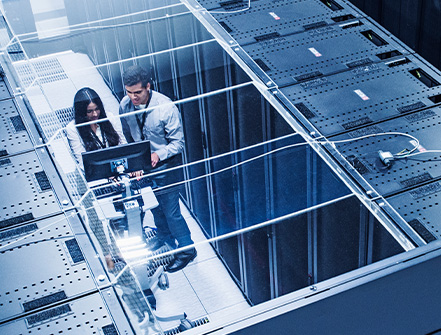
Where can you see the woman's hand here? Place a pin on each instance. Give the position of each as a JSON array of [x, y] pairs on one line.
[[137, 174], [109, 262]]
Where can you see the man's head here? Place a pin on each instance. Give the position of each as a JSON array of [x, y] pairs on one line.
[[136, 83]]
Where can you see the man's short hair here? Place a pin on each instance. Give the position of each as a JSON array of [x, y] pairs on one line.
[[135, 74]]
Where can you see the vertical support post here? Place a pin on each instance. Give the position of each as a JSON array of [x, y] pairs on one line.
[[311, 196], [366, 240], [363, 237]]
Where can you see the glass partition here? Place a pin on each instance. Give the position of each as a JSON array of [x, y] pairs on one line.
[[267, 214]]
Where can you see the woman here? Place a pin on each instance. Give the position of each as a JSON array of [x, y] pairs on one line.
[[89, 107]]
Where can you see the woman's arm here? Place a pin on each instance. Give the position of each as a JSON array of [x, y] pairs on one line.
[[75, 143]]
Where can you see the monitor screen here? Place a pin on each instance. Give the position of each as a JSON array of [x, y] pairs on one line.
[[101, 164]]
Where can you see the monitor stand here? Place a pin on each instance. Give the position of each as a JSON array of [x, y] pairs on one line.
[[134, 249], [137, 252]]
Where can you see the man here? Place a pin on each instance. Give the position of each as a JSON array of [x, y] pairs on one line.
[[163, 128]]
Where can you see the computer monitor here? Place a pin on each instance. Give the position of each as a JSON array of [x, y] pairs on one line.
[[101, 164]]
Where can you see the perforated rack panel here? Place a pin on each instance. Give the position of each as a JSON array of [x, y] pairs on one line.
[[347, 77], [4, 92], [336, 48], [359, 97], [423, 123], [268, 21], [86, 315], [14, 136], [27, 193], [52, 267], [420, 207]]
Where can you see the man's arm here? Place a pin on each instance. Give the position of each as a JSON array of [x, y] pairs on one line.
[[125, 126], [173, 133]]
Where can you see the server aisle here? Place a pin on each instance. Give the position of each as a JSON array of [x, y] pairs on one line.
[[307, 172]]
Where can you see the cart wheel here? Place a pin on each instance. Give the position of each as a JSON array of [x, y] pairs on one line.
[[163, 282], [185, 325]]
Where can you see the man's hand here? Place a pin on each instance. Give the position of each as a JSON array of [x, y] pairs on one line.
[[155, 159]]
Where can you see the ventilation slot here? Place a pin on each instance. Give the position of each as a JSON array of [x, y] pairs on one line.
[[3, 153], [315, 25], [225, 26], [436, 98], [422, 231], [43, 181], [308, 76], [361, 62], [159, 260], [389, 54], [182, 328], [74, 251], [47, 71], [424, 78], [15, 52], [343, 18], [416, 180], [262, 65], [234, 4], [420, 116], [47, 315], [365, 131], [14, 48], [412, 107], [398, 62], [305, 110], [13, 233], [426, 190], [266, 37], [109, 330], [356, 123], [332, 4], [314, 83], [17, 123], [16, 220], [65, 115], [374, 38], [365, 69], [5, 162], [358, 164], [201, 321], [44, 301]]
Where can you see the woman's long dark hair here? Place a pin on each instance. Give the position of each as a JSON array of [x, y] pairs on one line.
[[82, 99]]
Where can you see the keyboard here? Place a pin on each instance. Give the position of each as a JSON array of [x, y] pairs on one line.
[[108, 190]]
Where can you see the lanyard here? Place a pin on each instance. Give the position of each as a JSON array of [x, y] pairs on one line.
[[141, 122], [97, 140]]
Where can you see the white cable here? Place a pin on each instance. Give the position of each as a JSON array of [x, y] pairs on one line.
[[380, 134], [420, 153], [77, 205], [255, 158]]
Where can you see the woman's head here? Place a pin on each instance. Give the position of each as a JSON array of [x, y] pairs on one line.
[[88, 106]]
